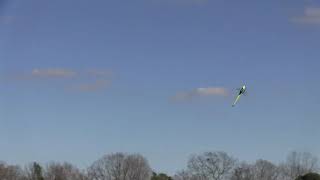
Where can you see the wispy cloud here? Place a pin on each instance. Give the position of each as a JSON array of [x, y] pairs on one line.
[[311, 16], [84, 81], [201, 92], [53, 73]]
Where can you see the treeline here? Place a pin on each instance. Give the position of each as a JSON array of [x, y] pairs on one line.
[[206, 166]]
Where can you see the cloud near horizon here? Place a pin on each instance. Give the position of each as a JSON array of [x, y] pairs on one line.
[[201, 92], [84, 81], [311, 16]]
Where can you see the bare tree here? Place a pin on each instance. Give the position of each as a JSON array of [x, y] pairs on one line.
[[65, 171], [8, 172], [181, 175], [299, 163], [137, 167], [211, 165], [108, 167], [265, 170], [120, 166], [243, 172]]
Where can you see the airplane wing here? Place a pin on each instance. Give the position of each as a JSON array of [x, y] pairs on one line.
[[237, 99]]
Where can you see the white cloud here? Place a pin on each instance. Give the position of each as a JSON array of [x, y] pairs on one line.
[[201, 92], [211, 91], [311, 16]]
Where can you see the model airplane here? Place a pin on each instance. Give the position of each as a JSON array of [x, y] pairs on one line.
[[242, 91]]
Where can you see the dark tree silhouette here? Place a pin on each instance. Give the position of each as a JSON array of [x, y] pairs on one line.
[[309, 176]]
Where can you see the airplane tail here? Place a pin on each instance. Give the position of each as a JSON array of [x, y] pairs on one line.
[[235, 102]]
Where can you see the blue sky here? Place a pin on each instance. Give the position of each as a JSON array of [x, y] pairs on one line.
[[80, 79]]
